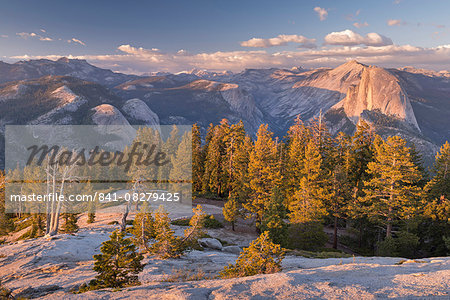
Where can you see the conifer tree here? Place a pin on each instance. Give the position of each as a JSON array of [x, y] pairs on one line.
[[338, 182], [198, 160], [216, 169], [231, 211], [196, 227], [6, 224], [119, 263], [308, 203], [261, 257], [391, 193], [166, 245], [181, 163], [143, 227], [239, 182], [298, 137], [438, 188], [263, 172], [236, 161], [274, 215], [70, 222]]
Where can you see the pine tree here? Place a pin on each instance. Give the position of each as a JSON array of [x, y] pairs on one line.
[[143, 227], [119, 263], [6, 224], [166, 244], [261, 257], [338, 182], [231, 211], [274, 215], [198, 160], [298, 137], [70, 222], [391, 193], [438, 188], [239, 182], [196, 227], [216, 168], [263, 172], [308, 203], [181, 163]]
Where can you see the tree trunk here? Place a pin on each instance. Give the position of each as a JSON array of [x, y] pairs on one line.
[[123, 223], [389, 223], [232, 226], [335, 237]]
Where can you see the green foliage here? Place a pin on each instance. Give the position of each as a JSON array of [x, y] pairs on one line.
[[70, 222], [143, 229], [231, 211], [273, 218], [391, 193], [209, 222], [196, 227], [198, 167], [212, 223], [119, 263], [308, 203], [264, 173], [404, 245], [166, 245], [306, 236], [261, 257]]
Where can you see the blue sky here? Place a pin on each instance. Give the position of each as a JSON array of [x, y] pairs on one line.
[[146, 36]]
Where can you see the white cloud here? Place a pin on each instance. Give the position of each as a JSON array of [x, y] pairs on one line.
[[26, 35], [360, 25], [140, 60], [321, 12], [393, 22], [74, 40], [351, 38], [280, 40]]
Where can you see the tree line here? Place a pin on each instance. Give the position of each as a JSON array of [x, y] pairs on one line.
[[377, 189]]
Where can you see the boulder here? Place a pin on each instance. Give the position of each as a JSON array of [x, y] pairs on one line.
[[232, 249], [210, 243]]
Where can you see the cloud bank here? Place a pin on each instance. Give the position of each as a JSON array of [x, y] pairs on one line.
[[351, 38], [139, 60], [280, 40]]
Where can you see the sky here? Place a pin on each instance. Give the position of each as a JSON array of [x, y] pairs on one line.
[[147, 36]]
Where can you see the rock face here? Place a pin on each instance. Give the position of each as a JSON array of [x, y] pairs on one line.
[[137, 110], [378, 90], [107, 114], [210, 243]]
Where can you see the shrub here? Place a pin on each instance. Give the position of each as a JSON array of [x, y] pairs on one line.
[[212, 223], [261, 257], [306, 236], [118, 264], [404, 245]]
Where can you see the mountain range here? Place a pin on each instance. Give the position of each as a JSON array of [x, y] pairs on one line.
[[409, 102]]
